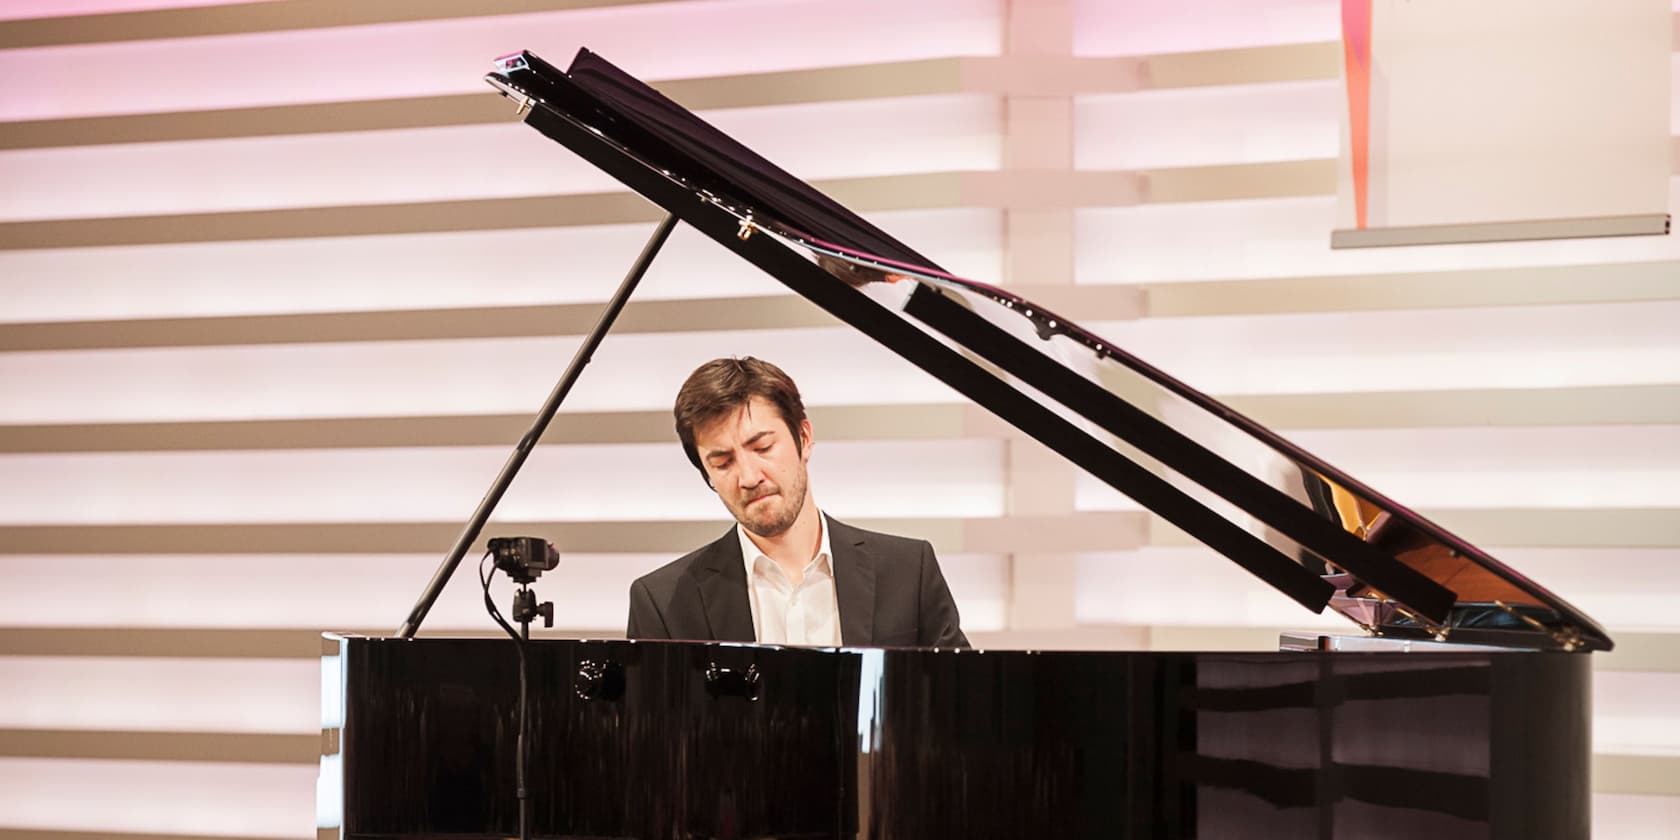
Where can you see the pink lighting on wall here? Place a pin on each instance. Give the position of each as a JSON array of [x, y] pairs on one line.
[[426, 58]]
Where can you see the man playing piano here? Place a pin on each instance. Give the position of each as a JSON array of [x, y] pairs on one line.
[[786, 573]]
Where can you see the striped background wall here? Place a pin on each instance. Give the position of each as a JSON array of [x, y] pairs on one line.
[[281, 282]]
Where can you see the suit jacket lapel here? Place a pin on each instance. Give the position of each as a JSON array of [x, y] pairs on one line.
[[722, 579], [854, 583]]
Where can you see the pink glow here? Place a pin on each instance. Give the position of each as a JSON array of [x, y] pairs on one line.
[[25, 9], [717, 37], [1146, 27]]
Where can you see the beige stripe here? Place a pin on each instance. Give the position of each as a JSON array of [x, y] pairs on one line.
[[1658, 652], [1529, 528], [1543, 285], [219, 643], [933, 190], [931, 421], [263, 17], [1023, 189], [1239, 181], [654, 316], [48, 834], [1614, 405], [280, 120], [251, 748], [829, 84], [1640, 775], [1282, 63], [1077, 532], [1536, 285], [223, 643], [1620, 405], [1642, 652]]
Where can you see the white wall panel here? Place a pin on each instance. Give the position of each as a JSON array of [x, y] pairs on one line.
[[651, 41], [422, 271], [1142, 27], [502, 160], [363, 591], [160, 694], [1564, 467], [1183, 586], [1626, 817], [1626, 589], [1488, 347], [572, 483], [1543, 467], [1207, 126], [834, 366], [1635, 714], [157, 797], [1280, 237]]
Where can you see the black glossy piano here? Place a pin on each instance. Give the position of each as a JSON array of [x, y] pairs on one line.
[[1458, 705]]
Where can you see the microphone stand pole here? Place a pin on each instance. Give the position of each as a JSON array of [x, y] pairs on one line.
[[585, 353]]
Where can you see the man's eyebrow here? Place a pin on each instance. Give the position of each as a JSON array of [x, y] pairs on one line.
[[747, 443]]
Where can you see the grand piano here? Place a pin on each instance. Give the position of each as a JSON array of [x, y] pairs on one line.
[[1458, 703]]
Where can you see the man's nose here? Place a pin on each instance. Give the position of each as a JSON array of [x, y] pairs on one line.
[[751, 473]]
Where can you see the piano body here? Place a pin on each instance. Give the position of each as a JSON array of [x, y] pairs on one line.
[[1461, 709]]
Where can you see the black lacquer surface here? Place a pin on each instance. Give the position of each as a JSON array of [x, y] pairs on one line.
[[974, 744]]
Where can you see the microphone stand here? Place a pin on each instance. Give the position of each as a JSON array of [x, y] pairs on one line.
[[545, 415]]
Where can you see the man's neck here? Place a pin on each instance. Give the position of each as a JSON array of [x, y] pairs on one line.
[[793, 549]]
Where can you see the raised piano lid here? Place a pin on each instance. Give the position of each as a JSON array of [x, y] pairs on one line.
[[1312, 531]]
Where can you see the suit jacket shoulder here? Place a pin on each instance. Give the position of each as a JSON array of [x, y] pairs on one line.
[[699, 596]]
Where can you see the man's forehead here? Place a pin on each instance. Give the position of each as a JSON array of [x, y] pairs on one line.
[[750, 419]]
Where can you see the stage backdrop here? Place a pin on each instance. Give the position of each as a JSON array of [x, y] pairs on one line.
[[281, 282]]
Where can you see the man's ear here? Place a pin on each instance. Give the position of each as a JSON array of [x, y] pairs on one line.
[[806, 439]]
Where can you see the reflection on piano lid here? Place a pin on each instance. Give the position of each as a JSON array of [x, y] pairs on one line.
[[1315, 533]]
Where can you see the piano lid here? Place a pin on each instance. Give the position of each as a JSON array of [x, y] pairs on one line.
[[1315, 533]]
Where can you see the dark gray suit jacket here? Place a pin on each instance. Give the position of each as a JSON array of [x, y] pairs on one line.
[[890, 591]]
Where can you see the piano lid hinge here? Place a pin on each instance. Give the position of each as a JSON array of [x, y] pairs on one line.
[[1438, 632], [1567, 637], [746, 230]]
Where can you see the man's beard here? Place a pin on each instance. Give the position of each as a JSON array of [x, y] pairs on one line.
[[792, 504]]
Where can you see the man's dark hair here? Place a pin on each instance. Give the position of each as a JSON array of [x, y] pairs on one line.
[[721, 386]]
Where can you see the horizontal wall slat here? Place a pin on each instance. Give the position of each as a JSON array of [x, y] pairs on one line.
[[1539, 285], [1629, 405], [1016, 189], [932, 421], [737, 313], [747, 90], [1643, 652], [1088, 531], [893, 192], [1526, 285], [276, 15], [243, 747], [1613, 405], [1531, 527]]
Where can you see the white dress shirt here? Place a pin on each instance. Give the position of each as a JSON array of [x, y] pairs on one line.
[[785, 614]]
